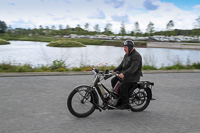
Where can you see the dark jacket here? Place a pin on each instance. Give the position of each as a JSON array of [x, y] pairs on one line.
[[131, 66]]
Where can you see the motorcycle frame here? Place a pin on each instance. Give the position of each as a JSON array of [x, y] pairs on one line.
[[95, 90], [96, 87]]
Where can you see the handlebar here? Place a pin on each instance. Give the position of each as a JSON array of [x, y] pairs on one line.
[[111, 74], [106, 74]]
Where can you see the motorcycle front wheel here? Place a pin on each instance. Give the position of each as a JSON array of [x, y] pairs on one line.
[[80, 102], [139, 99]]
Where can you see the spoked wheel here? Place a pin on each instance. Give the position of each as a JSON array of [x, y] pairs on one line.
[[80, 102], [139, 99]]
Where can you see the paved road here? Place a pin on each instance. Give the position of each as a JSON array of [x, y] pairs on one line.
[[38, 105]]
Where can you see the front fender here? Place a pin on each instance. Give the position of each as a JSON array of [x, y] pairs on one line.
[[95, 98]]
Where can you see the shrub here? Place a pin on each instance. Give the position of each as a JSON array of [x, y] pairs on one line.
[[148, 67], [177, 66], [44, 68], [76, 69], [61, 70], [196, 65], [7, 67], [58, 65], [24, 68]]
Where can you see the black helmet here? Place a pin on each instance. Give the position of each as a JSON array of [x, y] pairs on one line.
[[130, 45]]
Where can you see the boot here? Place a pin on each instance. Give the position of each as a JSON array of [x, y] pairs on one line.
[[124, 106]]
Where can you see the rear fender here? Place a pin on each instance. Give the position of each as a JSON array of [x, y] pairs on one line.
[[150, 93], [147, 86]]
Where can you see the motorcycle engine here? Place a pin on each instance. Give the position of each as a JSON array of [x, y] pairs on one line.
[[113, 101]]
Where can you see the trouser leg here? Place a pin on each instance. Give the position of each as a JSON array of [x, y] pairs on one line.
[[124, 90], [114, 81]]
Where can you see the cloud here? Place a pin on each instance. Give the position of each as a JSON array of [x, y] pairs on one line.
[[58, 18], [149, 5], [21, 14], [98, 15], [197, 6], [166, 12], [22, 23], [75, 18], [11, 4], [115, 3], [117, 18], [49, 14], [65, 1]]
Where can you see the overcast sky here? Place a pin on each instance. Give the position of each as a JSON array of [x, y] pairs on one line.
[[32, 13]]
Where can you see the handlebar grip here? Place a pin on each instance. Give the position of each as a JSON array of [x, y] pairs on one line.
[[107, 76]]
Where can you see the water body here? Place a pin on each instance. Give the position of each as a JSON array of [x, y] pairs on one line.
[[37, 53]]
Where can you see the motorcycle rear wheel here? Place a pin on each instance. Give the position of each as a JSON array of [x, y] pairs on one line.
[[139, 99], [80, 103]]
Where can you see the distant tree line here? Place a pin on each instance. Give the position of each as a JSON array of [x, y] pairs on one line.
[[3, 26], [150, 30]]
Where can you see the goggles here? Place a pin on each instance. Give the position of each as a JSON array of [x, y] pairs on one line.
[[128, 42]]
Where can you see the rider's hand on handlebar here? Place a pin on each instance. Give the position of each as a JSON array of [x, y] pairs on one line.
[[121, 75]]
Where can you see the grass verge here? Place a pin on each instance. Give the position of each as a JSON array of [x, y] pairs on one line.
[[59, 66]]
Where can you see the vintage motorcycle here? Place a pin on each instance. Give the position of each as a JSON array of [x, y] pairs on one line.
[[84, 99]]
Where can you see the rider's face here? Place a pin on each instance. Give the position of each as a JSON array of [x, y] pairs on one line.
[[126, 49]]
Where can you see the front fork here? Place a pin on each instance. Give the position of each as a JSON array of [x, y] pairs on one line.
[[85, 98], [95, 98]]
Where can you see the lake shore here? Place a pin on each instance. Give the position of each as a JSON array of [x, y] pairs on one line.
[[37, 54], [174, 45], [4, 42]]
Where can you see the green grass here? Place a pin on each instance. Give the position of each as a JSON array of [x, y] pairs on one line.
[[87, 41], [65, 43], [3, 42], [60, 66], [28, 38], [149, 67], [8, 67], [180, 66], [56, 66], [36, 38], [177, 66]]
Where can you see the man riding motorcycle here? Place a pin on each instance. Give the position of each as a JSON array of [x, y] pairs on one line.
[[130, 71]]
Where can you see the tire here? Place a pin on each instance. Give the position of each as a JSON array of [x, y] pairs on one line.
[[80, 102], [139, 99]]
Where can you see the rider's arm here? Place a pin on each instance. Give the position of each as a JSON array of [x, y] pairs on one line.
[[119, 68]]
